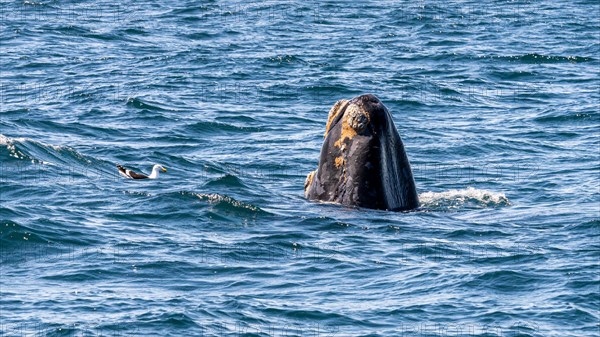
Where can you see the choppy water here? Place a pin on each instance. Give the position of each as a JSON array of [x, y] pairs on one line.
[[497, 104]]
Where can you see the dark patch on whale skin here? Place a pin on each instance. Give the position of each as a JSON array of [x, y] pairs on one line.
[[362, 161]]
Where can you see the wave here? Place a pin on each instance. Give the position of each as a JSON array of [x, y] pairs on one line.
[[463, 198], [209, 127], [13, 150], [175, 319], [139, 104], [12, 232], [228, 203], [506, 280], [21, 244], [41, 153], [586, 226], [228, 180], [535, 58], [324, 223], [562, 117]]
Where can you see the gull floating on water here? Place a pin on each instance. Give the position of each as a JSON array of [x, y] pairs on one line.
[[132, 175]]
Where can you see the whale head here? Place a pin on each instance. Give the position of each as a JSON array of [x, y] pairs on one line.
[[363, 162]]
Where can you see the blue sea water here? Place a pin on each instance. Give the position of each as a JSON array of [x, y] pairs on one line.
[[497, 104]]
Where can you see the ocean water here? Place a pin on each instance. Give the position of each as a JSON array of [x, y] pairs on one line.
[[497, 104]]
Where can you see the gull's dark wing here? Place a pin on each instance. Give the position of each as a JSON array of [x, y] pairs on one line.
[[137, 175], [130, 173]]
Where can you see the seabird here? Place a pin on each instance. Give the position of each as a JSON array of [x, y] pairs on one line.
[[132, 175]]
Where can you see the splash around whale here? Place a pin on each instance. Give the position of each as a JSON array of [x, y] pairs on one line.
[[362, 161]]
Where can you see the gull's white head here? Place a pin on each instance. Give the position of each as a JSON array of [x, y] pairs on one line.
[[155, 170]]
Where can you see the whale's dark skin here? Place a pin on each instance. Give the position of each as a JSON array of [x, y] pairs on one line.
[[362, 161]]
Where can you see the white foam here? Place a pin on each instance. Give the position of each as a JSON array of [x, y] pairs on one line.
[[10, 146], [215, 198], [457, 198], [11, 143], [4, 140]]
